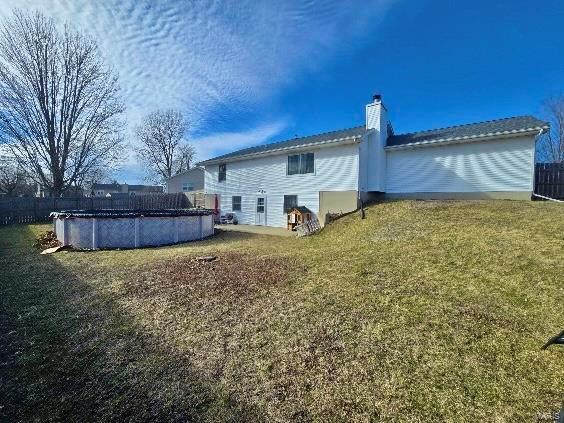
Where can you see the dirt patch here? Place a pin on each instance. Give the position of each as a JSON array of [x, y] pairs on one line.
[[230, 274], [46, 240]]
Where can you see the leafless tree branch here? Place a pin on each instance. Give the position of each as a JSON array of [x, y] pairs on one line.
[[60, 111], [550, 148], [162, 147]]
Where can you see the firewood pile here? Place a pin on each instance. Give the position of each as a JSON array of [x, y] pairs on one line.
[[47, 240]]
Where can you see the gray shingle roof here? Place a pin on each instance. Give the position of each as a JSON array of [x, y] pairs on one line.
[[472, 130], [145, 188], [116, 187], [296, 142]]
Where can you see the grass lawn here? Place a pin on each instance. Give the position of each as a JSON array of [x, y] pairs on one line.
[[424, 311]]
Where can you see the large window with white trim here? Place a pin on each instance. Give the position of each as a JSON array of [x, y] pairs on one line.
[[300, 164]]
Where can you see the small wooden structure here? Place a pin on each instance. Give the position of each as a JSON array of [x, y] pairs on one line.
[[298, 216], [309, 228]]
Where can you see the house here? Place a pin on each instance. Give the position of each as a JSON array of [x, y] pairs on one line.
[[188, 181], [331, 172], [120, 190]]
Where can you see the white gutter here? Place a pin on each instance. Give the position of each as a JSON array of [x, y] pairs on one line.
[[344, 140], [470, 138]]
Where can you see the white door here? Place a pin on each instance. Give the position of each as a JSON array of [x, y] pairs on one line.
[[261, 211]]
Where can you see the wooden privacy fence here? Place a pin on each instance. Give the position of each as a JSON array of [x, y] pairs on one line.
[[33, 209], [549, 180]]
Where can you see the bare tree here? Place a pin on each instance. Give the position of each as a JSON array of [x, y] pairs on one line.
[[11, 176], [550, 148], [59, 103], [184, 159], [162, 147]]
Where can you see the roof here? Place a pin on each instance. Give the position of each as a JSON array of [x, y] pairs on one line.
[[333, 136], [115, 187], [118, 195], [191, 170], [507, 126], [145, 188], [301, 209]]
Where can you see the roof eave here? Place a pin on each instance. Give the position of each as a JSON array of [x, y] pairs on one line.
[[319, 144], [196, 166], [472, 138]]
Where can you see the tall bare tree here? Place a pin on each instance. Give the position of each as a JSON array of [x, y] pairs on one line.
[[60, 111], [162, 147], [551, 146]]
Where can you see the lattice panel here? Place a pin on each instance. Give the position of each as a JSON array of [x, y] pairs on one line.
[[156, 231], [113, 233]]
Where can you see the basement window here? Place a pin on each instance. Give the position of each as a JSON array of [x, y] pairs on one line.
[[236, 203], [222, 175], [290, 201], [300, 164]]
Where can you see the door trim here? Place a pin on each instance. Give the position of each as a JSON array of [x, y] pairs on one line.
[[257, 212]]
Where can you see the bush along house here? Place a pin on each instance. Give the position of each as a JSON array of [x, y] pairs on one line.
[[331, 173]]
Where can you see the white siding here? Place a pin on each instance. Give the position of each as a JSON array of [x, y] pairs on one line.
[[496, 165], [373, 156], [336, 169]]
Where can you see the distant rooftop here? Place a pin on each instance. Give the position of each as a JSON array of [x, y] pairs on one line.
[[117, 187]]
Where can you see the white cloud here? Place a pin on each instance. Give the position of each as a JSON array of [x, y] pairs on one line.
[[206, 147], [212, 59], [220, 143]]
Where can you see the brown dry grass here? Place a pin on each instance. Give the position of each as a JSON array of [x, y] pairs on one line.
[[425, 311]]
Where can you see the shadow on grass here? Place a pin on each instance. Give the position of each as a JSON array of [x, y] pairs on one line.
[[70, 352]]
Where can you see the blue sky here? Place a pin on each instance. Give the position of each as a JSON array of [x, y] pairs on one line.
[[250, 72]]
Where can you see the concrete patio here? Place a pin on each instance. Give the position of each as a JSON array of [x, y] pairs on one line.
[[254, 229]]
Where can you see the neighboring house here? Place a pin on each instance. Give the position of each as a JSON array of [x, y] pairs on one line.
[[331, 172], [43, 192], [187, 182], [120, 190]]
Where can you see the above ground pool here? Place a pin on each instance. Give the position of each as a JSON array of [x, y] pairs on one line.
[[93, 229]]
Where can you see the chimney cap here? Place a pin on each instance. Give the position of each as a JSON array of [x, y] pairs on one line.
[[377, 97]]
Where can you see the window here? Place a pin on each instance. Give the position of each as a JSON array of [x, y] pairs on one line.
[[222, 176], [260, 205], [236, 203], [187, 187], [290, 201], [299, 164]]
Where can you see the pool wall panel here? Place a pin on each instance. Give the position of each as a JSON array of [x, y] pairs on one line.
[[131, 232]]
